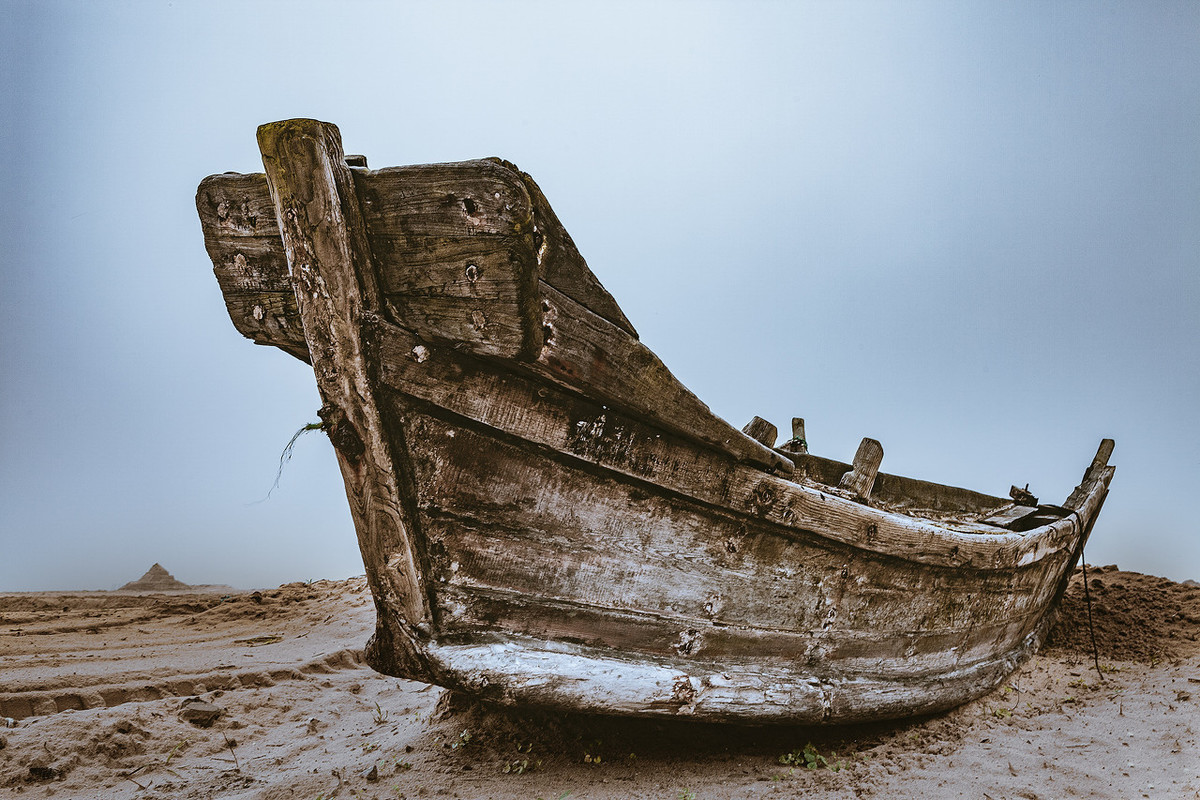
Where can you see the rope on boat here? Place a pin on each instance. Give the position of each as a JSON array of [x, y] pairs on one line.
[[1087, 596]]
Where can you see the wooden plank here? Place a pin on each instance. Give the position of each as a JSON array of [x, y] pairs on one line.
[[499, 516], [516, 670], [453, 244], [445, 200], [1009, 516], [330, 264], [242, 239], [566, 423], [589, 354], [470, 613], [560, 262], [237, 205], [896, 492]]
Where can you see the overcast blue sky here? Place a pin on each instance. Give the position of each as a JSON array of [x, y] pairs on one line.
[[969, 230]]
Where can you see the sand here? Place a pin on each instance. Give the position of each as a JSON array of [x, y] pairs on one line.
[[97, 684]]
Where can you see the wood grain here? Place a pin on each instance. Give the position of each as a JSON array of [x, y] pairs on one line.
[[334, 280]]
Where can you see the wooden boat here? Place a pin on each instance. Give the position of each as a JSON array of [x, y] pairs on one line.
[[548, 517]]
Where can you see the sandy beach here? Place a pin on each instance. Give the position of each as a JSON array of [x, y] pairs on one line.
[[199, 694]]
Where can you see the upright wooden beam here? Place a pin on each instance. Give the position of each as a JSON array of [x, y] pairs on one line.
[[330, 264], [861, 477], [799, 441]]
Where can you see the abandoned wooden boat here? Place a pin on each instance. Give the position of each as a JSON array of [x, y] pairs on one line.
[[547, 516]]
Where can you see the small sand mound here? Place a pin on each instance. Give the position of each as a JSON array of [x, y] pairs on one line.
[[156, 579], [1136, 617]]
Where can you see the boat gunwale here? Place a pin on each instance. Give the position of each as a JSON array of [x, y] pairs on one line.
[[943, 546]]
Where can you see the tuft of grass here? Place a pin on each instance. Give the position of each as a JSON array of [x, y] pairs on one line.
[[380, 717], [461, 741], [591, 752], [184, 742], [286, 455], [520, 766], [810, 758]]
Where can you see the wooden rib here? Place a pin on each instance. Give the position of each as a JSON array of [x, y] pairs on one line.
[[799, 440]]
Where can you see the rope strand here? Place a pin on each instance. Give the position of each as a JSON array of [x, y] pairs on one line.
[[1087, 596]]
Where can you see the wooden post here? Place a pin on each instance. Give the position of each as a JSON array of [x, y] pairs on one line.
[[761, 431], [861, 477], [1094, 472], [1103, 453], [799, 441], [330, 263]]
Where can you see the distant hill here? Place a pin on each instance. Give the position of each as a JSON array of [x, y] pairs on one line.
[[156, 579]]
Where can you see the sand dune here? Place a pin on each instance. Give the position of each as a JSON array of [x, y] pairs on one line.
[[95, 683]]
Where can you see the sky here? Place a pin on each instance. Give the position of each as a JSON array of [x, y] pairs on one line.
[[968, 230]]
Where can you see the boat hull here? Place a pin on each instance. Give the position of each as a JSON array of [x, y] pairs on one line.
[[574, 572], [547, 516]]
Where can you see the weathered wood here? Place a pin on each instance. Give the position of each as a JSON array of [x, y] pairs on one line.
[[332, 271], [587, 353], [514, 670], [861, 477], [564, 422], [243, 241], [1009, 516], [761, 431], [799, 440], [1091, 475], [910, 656], [1022, 497], [454, 249], [559, 260], [536, 526], [547, 515], [454, 245]]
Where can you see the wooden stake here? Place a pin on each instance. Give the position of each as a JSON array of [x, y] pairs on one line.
[[761, 431], [861, 478]]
